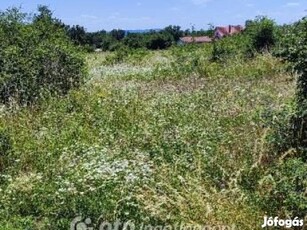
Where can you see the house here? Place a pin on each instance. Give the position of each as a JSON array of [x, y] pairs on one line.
[[190, 39], [222, 31]]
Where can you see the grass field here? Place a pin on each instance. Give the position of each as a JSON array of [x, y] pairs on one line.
[[155, 137]]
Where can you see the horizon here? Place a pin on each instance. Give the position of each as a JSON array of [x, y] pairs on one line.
[[97, 15]]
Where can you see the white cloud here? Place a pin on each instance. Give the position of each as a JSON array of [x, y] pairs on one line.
[[200, 2], [175, 8], [250, 4], [292, 4]]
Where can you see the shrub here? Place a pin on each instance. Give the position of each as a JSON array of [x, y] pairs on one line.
[[6, 146], [294, 50], [134, 41], [262, 33], [158, 41], [117, 56], [36, 57], [228, 47], [219, 52], [283, 189], [5, 143]]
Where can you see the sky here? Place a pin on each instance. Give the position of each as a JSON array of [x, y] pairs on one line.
[[96, 15]]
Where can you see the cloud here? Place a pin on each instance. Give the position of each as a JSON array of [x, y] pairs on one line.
[[175, 8], [200, 2], [292, 4], [250, 5]]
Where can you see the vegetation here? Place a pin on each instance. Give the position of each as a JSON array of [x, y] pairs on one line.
[[262, 33], [197, 134], [117, 38], [37, 58]]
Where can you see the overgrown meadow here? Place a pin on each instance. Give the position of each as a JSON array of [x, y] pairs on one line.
[[183, 135]]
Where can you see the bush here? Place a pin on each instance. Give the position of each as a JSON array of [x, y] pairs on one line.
[[6, 147], [219, 52], [134, 41], [117, 56], [158, 41], [284, 189], [5, 143], [228, 47], [36, 57], [294, 50], [262, 33]]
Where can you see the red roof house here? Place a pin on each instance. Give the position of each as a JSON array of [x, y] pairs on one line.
[[190, 39], [222, 31]]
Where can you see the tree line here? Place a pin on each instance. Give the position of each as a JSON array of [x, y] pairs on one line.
[[117, 38]]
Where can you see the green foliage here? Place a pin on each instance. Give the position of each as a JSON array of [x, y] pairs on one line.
[[293, 49], [281, 173], [227, 47], [283, 189], [108, 43], [116, 38], [117, 34], [5, 143], [262, 32], [151, 41], [78, 35], [219, 52], [36, 58], [158, 41], [148, 130], [162, 136], [6, 147], [95, 39], [118, 56], [134, 41], [281, 138], [174, 31]]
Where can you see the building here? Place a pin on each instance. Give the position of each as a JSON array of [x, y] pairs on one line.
[[190, 40], [222, 31]]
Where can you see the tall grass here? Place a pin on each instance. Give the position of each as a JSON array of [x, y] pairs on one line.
[[172, 137]]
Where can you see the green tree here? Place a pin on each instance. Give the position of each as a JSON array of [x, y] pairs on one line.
[[157, 41], [262, 33], [95, 39], [78, 35], [134, 41], [294, 50], [37, 58], [174, 31], [118, 34]]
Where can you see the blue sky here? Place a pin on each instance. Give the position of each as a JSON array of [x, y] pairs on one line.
[[146, 14]]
